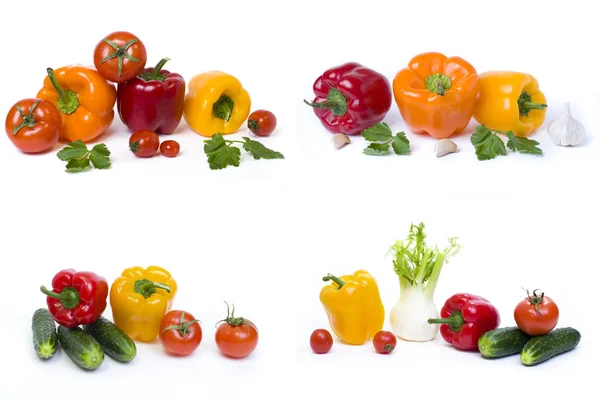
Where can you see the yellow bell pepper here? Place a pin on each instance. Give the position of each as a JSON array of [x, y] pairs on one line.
[[510, 101], [139, 298], [353, 306], [215, 102]]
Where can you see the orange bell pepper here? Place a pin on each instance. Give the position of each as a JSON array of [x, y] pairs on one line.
[[436, 94], [84, 98]]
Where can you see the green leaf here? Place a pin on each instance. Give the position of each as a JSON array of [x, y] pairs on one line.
[[377, 149], [258, 150], [223, 157], [401, 144], [217, 141], [487, 144], [379, 132], [522, 145], [78, 165], [100, 156], [72, 150]]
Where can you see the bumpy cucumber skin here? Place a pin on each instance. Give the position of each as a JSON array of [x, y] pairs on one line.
[[542, 348], [502, 342], [45, 339], [115, 343], [81, 347]]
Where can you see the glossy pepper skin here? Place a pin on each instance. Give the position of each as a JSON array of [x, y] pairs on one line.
[[436, 94], [76, 298], [139, 298], [464, 318], [152, 101], [510, 101], [351, 98], [353, 306], [84, 98], [215, 102]]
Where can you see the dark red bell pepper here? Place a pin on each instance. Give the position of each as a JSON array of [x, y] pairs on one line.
[[351, 98], [153, 100], [76, 298], [465, 318]]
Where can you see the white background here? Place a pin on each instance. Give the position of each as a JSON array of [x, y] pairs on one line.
[[262, 235]]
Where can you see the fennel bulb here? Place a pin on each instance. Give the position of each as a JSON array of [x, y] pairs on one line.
[[418, 268]]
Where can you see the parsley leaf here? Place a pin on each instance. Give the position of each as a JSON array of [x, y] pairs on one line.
[[80, 159], [377, 149], [214, 143], [258, 150], [487, 144], [522, 145], [400, 144], [223, 157], [379, 132]]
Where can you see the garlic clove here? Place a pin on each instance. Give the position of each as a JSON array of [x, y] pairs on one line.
[[566, 130], [340, 140], [445, 147]]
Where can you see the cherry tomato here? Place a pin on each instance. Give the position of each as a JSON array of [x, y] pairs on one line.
[[180, 333], [144, 143], [33, 125], [321, 341], [236, 337], [536, 315], [384, 342], [262, 122], [169, 148], [120, 56]]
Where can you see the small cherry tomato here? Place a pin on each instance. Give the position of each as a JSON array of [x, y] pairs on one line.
[[262, 122], [169, 148], [33, 125], [321, 341], [384, 342], [120, 56], [144, 143], [180, 333], [236, 337], [536, 315]]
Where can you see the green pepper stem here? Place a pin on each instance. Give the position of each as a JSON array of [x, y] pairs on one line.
[[156, 74], [147, 288], [69, 297], [526, 105], [223, 108], [336, 102], [335, 279], [455, 321], [67, 101]]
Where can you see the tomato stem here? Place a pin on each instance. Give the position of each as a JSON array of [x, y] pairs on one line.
[[183, 328], [335, 279], [231, 319], [120, 53], [28, 120], [536, 300]]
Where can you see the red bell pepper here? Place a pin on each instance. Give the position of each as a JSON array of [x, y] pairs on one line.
[[351, 98], [152, 101], [76, 298], [465, 318]]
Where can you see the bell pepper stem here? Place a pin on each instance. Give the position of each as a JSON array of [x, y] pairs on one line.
[[336, 102], [438, 83], [335, 279], [526, 105], [223, 108], [69, 297], [147, 288], [455, 321], [156, 74], [28, 120], [67, 101]]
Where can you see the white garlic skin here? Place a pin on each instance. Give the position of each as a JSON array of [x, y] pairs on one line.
[[566, 130]]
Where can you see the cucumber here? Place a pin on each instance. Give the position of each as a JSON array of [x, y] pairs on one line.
[[113, 340], [542, 348], [83, 349], [45, 340], [502, 342]]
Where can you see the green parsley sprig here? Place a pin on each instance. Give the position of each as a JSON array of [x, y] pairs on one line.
[[381, 137], [222, 153], [80, 159], [488, 145]]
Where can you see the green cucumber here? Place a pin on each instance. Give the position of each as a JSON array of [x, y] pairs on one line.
[[502, 342], [113, 340], [83, 349], [542, 348], [45, 340]]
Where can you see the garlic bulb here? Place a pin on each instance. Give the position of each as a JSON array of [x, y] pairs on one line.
[[566, 130]]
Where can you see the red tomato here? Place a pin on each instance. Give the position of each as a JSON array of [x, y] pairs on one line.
[[384, 342], [144, 143], [33, 125], [321, 341], [180, 333], [262, 122], [536, 315], [120, 56], [236, 337], [169, 148]]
